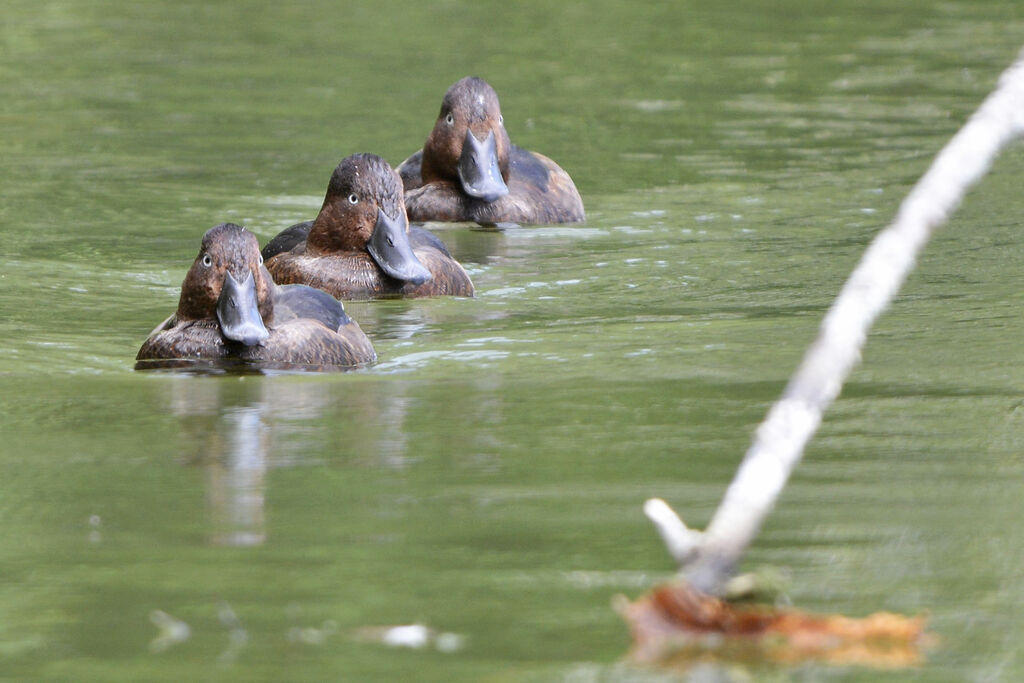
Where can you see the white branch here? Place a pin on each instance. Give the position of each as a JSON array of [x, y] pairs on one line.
[[780, 440], [681, 541]]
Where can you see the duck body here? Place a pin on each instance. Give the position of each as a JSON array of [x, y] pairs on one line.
[[230, 309], [289, 238], [468, 169], [360, 245], [298, 342], [355, 275]]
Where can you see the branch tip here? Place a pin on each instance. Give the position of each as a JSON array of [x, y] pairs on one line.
[[681, 541]]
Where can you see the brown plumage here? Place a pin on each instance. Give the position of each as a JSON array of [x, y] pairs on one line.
[[468, 169], [360, 245], [355, 275], [230, 309]]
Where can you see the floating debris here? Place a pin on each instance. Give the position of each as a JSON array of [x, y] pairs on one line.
[[413, 636], [311, 635], [172, 631], [238, 637], [675, 624]]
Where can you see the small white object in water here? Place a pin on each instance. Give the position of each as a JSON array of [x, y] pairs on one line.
[[311, 635], [172, 631], [412, 635], [238, 637], [449, 642]]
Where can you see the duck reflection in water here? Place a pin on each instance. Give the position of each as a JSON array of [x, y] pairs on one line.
[[227, 425], [238, 430]]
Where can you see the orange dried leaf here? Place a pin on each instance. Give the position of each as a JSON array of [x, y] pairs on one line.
[[674, 621]]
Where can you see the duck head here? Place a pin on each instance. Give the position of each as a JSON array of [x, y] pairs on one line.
[[364, 209], [468, 144], [228, 282]]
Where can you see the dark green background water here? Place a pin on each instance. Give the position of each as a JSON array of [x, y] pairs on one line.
[[485, 477]]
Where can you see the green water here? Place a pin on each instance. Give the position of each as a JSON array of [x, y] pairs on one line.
[[485, 478]]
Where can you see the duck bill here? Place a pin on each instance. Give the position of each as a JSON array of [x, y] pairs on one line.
[[389, 246], [479, 172], [238, 311]]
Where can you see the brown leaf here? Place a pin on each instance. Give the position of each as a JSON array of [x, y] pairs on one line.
[[675, 623]]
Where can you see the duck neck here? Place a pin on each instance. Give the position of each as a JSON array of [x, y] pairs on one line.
[[327, 235]]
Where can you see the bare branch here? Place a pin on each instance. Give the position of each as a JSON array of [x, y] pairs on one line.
[[709, 559]]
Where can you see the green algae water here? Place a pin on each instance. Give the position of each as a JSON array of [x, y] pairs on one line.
[[485, 477]]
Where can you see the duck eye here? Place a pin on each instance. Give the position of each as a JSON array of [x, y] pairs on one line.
[[261, 259], [449, 119], [207, 261], [501, 120], [353, 198]]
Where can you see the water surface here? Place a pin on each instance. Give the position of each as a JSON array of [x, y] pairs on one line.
[[485, 478]]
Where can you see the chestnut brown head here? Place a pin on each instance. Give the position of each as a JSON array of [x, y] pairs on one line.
[[468, 144], [227, 282], [364, 210]]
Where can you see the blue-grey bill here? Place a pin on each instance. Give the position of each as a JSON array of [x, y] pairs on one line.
[[239, 313], [478, 168], [389, 246]]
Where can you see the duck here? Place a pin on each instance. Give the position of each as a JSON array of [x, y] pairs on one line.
[[468, 169], [360, 245], [231, 309]]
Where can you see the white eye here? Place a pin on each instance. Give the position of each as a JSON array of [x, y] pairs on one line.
[[501, 120], [261, 259], [207, 261], [449, 119], [353, 198]]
